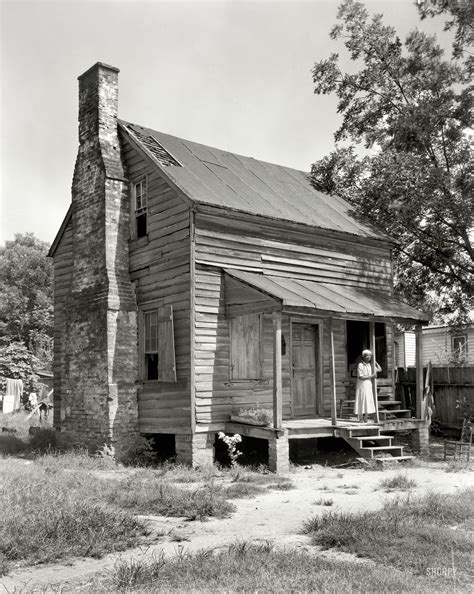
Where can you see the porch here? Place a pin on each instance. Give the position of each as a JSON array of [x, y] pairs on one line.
[[313, 361], [368, 440]]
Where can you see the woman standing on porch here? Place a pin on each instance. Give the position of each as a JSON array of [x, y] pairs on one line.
[[364, 400]]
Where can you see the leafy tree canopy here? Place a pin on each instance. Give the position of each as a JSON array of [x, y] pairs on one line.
[[413, 109], [461, 20], [26, 286]]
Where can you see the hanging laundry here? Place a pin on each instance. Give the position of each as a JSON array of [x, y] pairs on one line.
[[13, 395]]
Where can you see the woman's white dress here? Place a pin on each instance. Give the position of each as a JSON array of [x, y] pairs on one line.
[[364, 400]]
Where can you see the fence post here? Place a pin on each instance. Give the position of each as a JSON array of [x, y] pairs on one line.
[[419, 372]]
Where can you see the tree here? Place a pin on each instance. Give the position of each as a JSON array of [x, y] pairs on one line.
[[412, 108], [462, 20], [26, 287]]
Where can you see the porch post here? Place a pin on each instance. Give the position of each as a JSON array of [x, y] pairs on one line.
[[374, 381], [277, 383], [332, 372], [419, 372]]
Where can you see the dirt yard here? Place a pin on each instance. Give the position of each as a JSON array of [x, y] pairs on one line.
[[276, 517]]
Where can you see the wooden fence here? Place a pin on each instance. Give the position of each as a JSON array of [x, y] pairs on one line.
[[451, 385]]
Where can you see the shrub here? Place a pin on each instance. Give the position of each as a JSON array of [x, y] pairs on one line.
[[43, 440]]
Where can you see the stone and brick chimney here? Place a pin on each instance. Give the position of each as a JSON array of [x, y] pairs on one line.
[[98, 400]]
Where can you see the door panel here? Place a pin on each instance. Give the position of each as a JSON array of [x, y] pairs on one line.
[[304, 368]]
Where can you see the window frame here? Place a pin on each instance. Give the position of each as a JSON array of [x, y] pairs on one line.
[[142, 210], [456, 350], [165, 349]]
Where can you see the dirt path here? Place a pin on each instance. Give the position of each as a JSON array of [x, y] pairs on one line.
[[275, 517]]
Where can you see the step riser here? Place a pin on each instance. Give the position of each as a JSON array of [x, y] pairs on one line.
[[372, 452], [381, 445], [386, 442], [399, 414], [362, 432]]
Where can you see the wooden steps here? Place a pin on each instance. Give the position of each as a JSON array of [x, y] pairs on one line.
[[389, 409], [368, 442]]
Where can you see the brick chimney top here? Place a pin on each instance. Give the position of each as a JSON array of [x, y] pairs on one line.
[[98, 104], [96, 66]]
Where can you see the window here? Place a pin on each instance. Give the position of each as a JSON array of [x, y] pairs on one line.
[[459, 345], [158, 355], [140, 192], [246, 360], [358, 339]]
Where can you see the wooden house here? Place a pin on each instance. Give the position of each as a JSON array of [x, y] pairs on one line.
[[192, 283], [442, 345]]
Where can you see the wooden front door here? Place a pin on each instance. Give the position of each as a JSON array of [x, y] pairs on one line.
[[304, 344]]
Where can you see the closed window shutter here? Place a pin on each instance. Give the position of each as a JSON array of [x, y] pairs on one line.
[[246, 334], [166, 355]]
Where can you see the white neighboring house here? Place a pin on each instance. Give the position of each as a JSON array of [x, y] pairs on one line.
[[441, 345]]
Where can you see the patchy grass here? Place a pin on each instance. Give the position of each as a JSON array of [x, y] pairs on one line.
[[459, 466], [73, 504], [325, 502], [417, 534], [242, 490], [47, 515], [148, 494], [399, 482], [250, 568]]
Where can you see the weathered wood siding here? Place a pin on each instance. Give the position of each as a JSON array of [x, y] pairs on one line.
[[215, 392], [249, 248], [160, 268], [63, 263]]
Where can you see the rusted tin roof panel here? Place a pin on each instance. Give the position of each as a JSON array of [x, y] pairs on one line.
[[215, 177], [338, 299]]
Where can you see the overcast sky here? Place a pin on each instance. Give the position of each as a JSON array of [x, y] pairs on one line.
[[235, 75]]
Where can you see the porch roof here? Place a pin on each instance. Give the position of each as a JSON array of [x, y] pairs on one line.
[[330, 298]]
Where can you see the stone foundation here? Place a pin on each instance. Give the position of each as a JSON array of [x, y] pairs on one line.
[[195, 450]]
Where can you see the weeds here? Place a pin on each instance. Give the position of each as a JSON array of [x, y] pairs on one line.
[[399, 482], [42, 518], [325, 502], [247, 567]]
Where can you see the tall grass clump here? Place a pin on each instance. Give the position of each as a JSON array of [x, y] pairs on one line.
[[399, 482], [412, 533], [45, 516]]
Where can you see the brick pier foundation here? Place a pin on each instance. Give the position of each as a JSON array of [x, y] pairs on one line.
[[279, 454], [195, 450], [420, 440]]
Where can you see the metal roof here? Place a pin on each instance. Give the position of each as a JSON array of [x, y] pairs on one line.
[[332, 298], [219, 178]]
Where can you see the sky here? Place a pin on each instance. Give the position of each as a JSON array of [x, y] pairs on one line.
[[231, 74]]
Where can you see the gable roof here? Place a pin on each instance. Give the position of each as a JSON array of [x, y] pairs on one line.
[[215, 177]]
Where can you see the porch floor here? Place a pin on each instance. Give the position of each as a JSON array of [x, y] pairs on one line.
[[308, 428]]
